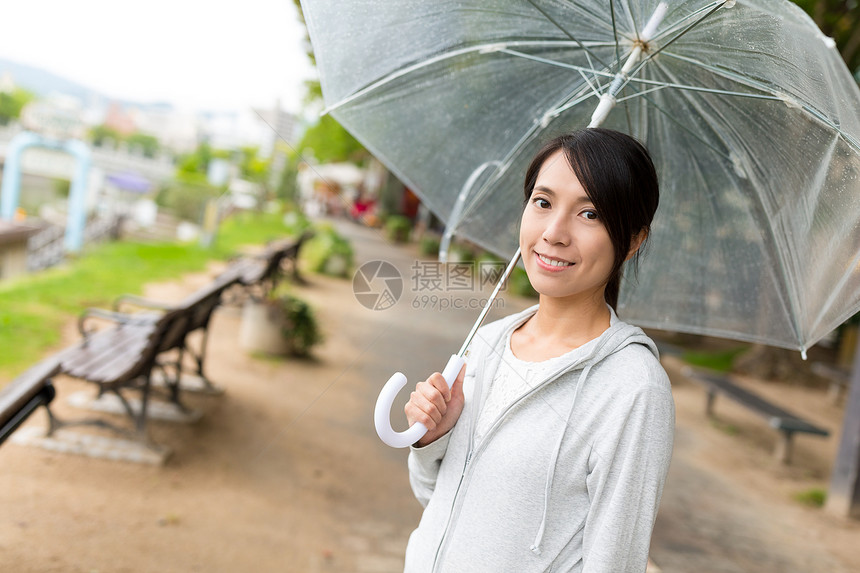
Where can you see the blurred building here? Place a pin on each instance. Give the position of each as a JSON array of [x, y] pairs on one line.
[[252, 127]]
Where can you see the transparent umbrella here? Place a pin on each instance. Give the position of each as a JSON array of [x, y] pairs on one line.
[[751, 116]]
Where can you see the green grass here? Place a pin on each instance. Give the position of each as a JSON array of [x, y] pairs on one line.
[[815, 497], [721, 361], [726, 428], [34, 308], [248, 227]]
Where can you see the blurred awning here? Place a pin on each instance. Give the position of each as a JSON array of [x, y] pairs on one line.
[[130, 181]]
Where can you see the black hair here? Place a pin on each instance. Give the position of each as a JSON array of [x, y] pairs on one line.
[[618, 176]]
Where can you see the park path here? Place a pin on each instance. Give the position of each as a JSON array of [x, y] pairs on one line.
[[284, 472]]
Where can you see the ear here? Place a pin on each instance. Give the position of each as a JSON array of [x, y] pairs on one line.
[[636, 242]]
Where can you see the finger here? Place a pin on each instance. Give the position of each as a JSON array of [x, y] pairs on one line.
[[433, 394], [438, 382], [420, 409]]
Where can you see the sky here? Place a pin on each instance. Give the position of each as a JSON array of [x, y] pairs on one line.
[[196, 54]]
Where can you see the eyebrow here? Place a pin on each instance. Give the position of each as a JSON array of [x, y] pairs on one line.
[[548, 191]]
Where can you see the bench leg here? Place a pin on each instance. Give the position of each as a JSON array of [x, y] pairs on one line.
[[709, 403], [782, 452], [54, 423], [200, 358], [834, 392]]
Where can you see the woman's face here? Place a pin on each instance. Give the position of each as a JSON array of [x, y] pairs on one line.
[[566, 249]]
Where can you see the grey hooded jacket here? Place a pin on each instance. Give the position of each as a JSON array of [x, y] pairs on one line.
[[568, 478]]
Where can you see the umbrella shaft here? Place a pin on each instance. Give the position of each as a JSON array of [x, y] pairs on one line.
[[508, 270], [607, 100]]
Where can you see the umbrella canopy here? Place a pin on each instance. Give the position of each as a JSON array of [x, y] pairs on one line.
[[750, 114]]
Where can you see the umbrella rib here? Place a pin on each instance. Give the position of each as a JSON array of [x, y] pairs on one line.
[[596, 76], [615, 33], [843, 280], [580, 69], [834, 294], [594, 90], [663, 85], [767, 90], [669, 116], [785, 269], [563, 30], [792, 302], [569, 104], [713, 8], [488, 47], [672, 28], [563, 104]]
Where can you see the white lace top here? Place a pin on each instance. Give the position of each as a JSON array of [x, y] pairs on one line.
[[514, 378]]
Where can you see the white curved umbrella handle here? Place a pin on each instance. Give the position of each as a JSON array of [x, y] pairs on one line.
[[382, 413]]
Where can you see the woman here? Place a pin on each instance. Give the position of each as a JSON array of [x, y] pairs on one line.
[[550, 451]]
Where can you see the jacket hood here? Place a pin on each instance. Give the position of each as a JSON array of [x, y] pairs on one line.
[[617, 336]]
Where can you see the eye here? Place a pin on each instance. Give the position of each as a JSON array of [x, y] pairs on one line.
[[541, 203], [590, 214]]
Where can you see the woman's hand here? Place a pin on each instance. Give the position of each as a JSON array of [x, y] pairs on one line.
[[436, 406]]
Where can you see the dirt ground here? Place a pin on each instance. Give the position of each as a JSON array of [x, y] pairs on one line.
[[284, 472]]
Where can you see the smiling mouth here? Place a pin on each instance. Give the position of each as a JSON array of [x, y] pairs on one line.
[[553, 262]]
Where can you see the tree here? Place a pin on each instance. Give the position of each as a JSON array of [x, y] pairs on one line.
[[148, 144], [328, 139], [252, 167], [11, 104], [102, 135], [330, 142], [195, 163]]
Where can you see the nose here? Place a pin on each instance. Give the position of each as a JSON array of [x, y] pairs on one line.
[[557, 231]]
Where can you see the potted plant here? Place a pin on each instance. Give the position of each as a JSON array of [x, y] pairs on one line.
[[300, 327], [398, 228], [280, 324]]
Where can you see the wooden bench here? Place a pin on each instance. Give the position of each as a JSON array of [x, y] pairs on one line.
[[787, 423], [198, 308], [119, 359], [261, 274], [23, 395]]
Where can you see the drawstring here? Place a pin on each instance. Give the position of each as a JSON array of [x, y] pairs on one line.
[[535, 548]]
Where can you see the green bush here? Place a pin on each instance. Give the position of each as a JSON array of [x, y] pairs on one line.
[[720, 360], [186, 200], [428, 246], [328, 253], [295, 221], [519, 285], [300, 325], [460, 254], [398, 228]]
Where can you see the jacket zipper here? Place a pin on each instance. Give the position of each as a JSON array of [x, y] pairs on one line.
[[471, 454]]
